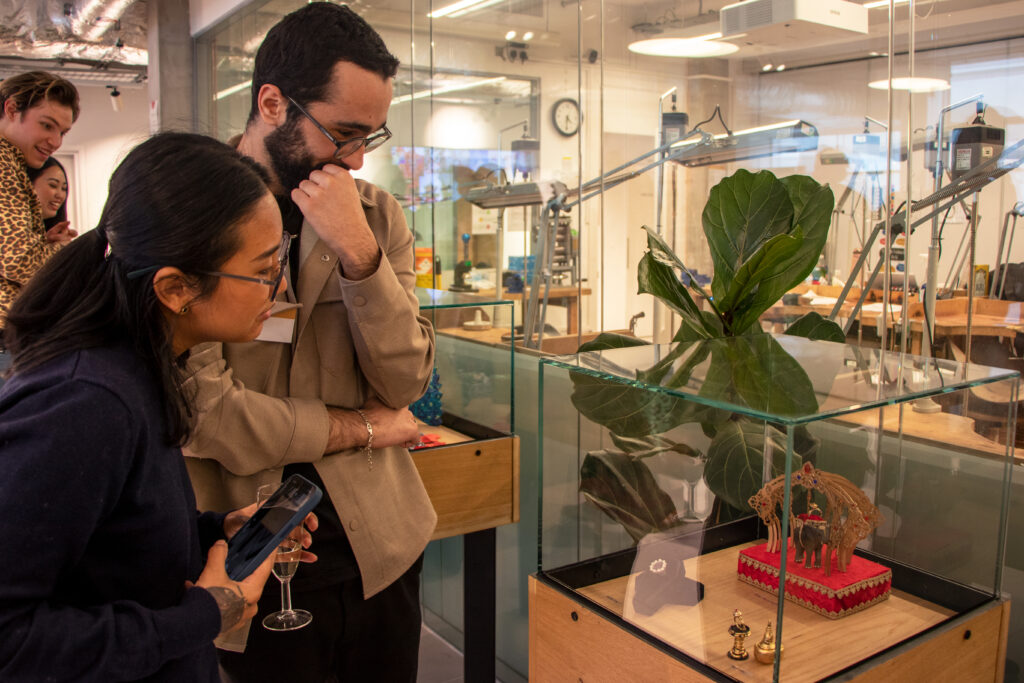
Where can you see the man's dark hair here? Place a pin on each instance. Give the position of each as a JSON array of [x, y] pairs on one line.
[[300, 51]]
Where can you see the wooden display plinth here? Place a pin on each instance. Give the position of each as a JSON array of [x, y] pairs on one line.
[[473, 484], [902, 638], [863, 584]]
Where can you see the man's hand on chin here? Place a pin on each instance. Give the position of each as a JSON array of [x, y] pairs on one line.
[[330, 202]]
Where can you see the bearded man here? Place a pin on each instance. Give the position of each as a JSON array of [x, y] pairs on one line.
[[326, 395]]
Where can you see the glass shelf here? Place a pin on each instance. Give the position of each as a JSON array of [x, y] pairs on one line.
[[756, 376], [443, 298]]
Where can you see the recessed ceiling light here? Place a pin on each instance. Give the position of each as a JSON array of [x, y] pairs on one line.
[[669, 46], [510, 35], [780, 67], [768, 67], [875, 4], [528, 35], [915, 84]]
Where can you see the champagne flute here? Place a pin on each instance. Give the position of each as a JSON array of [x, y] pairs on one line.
[[286, 562]]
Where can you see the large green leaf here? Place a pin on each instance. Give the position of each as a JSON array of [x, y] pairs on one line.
[[755, 371], [658, 279], [624, 489], [761, 281], [768, 379], [735, 460], [743, 211], [624, 409], [813, 326], [663, 254], [656, 374], [812, 211], [610, 340], [689, 330], [654, 444]]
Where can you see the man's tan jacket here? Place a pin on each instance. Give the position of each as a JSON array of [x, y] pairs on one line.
[[262, 405]]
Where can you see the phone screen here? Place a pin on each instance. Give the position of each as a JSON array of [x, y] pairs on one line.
[[269, 525]]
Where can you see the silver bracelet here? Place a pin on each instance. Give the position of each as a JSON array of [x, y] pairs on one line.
[[368, 448]]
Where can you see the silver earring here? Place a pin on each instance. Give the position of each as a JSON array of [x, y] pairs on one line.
[[183, 311]]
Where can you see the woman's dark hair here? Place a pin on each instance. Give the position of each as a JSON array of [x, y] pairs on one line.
[[300, 51], [176, 200], [62, 212]]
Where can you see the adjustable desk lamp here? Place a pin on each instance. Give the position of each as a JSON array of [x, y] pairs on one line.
[[943, 199], [788, 136]]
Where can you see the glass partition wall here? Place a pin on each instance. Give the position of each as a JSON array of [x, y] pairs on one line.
[[578, 93]]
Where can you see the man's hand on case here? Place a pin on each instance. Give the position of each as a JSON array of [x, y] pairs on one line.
[[391, 427]]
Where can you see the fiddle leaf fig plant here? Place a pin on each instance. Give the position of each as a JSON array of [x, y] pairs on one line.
[[765, 235]]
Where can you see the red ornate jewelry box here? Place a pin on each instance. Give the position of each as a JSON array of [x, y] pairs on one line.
[[862, 584]]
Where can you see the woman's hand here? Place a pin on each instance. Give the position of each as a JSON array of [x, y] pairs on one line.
[[61, 233], [236, 518], [235, 599]]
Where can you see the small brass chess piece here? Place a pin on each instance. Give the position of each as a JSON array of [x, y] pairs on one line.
[[764, 650], [739, 632]]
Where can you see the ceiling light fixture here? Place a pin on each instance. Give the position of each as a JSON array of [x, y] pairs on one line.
[[227, 92], [462, 7], [875, 4], [768, 67], [678, 44], [915, 84], [775, 138], [93, 20], [528, 35], [780, 67], [446, 89], [116, 103], [510, 35]]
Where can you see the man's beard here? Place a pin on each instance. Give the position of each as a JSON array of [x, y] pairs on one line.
[[290, 160]]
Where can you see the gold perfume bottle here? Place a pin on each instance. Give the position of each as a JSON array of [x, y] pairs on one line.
[[764, 650]]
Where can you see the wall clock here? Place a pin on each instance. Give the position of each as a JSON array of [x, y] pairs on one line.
[[565, 114]]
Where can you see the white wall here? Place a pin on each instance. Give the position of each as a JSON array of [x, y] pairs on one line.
[[611, 238], [205, 13], [836, 99], [99, 140]]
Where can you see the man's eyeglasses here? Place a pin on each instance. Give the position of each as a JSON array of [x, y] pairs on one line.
[[275, 284], [343, 148]]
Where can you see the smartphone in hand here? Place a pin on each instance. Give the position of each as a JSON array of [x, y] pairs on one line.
[[271, 524]]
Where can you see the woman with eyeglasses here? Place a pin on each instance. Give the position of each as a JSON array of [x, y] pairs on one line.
[[111, 574]]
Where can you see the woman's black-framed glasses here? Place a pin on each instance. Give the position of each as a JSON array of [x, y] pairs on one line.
[[275, 284], [343, 148]]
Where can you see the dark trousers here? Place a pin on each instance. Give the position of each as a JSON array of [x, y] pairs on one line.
[[350, 639]]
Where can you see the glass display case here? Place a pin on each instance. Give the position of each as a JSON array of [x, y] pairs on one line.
[[469, 460], [655, 459], [469, 464]]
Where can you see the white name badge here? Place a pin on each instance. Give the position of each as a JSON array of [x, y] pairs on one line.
[[280, 326]]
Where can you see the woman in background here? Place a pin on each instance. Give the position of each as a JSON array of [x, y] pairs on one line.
[[106, 578], [50, 181], [38, 109]]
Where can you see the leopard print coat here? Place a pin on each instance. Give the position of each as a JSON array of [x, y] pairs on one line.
[[23, 245]]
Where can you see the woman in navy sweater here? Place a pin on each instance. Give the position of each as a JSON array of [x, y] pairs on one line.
[[111, 574]]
